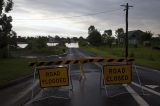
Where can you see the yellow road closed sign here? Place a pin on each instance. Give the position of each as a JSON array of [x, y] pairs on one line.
[[54, 77], [117, 74]]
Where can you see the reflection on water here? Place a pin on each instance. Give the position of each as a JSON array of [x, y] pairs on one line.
[[52, 44], [69, 45], [22, 45], [72, 45]]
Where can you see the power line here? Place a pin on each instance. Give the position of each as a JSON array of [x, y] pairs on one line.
[[76, 16]]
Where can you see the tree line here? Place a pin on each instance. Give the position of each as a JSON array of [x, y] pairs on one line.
[[95, 38]]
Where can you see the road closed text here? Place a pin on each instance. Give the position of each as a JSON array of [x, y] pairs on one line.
[[120, 74], [54, 77]]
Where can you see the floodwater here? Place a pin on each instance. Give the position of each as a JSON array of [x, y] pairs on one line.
[[69, 45]]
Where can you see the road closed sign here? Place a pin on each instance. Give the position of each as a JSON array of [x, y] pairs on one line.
[[117, 74], [54, 77]]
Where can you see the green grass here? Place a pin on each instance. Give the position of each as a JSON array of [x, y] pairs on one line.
[[16, 67], [11, 69], [39, 52], [143, 56]]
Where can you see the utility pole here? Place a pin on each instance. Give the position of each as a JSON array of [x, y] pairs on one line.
[[126, 37]]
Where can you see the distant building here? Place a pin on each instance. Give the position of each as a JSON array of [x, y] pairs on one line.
[[155, 42], [133, 37], [52, 42]]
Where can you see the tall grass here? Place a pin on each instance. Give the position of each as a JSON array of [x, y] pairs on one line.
[[144, 56]]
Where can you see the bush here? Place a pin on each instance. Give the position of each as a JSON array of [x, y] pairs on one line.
[[3, 52], [156, 47], [131, 54], [151, 57]]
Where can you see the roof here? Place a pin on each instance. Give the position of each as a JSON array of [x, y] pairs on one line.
[[133, 34]]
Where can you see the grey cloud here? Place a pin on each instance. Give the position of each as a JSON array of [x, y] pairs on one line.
[[144, 12]]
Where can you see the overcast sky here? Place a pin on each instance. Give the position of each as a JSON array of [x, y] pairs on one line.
[[69, 18]]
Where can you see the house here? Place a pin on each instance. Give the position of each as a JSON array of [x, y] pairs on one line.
[[133, 37], [155, 42]]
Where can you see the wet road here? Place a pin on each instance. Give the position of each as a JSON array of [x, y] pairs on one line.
[[89, 91]]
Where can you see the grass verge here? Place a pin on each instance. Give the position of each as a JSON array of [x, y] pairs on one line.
[[13, 68], [143, 56], [16, 67]]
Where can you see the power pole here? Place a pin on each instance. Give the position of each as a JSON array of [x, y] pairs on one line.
[[126, 37]]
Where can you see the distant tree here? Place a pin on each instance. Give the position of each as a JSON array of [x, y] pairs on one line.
[[68, 40], [13, 39], [82, 41], [75, 39], [91, 29], [94, 36], [41, 42], [5, 26], [119, 34], [158, 35], [57, 39], [107, 37], [108, 32], [37, 43], [146, 36]]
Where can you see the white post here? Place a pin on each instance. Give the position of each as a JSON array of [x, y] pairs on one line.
[[103, 80], [139, 80], [34, 77]]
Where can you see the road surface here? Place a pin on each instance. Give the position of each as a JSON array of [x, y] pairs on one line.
[[88, 91]]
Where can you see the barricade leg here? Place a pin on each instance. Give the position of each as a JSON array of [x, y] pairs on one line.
[[103, 81], [34, 78], [82, 75], [139, 80], [70, 81]]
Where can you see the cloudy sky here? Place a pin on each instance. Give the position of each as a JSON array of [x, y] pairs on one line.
[[69, 18]]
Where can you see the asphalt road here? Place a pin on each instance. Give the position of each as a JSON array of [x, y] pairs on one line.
[[89, 92]]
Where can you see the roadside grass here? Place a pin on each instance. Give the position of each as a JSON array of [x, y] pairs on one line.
[[13, 68], [143, 56], [39, 52]]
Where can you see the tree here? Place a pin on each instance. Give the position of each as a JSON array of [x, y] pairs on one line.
[[91, 29], [68, 40], [107, 37], [119, 34], [75, 39], [41, 42], [146, 38], [94, 36], [57, 39], [6, 26], [13, 39], [82, 41]]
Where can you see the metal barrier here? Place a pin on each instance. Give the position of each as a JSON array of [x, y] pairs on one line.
[[119, 65], [53, 76]]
